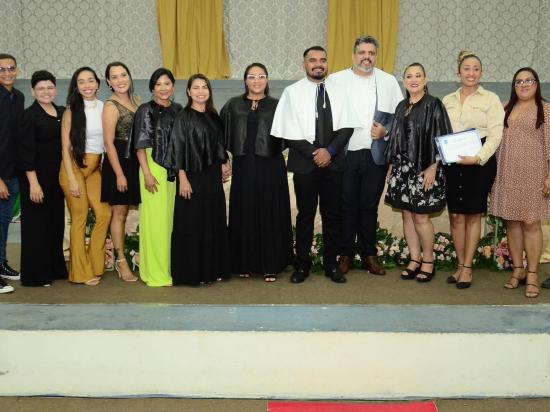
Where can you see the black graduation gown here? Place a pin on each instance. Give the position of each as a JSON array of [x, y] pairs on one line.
[[199, 235], [260, 229]]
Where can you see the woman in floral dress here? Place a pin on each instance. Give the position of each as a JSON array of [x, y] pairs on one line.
[[416, 183]]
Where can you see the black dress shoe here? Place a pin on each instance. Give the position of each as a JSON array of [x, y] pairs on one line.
[[464, 285], [299, 276], [336, 276], [546, 284]]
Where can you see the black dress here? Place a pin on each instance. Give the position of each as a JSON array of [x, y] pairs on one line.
[[199, 235], [411, 150], [260, 228], [42, 224], [130, 165]]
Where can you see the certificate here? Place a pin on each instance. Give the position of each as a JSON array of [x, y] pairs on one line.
[[450, 146]]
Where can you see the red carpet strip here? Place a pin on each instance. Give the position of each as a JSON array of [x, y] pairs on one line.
[[273, 406]]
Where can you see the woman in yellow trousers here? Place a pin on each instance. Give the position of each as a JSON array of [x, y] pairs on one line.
[[80, 176]]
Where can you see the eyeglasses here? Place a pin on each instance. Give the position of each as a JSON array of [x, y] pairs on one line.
[[528, 82], [256, 76], [10, 69]]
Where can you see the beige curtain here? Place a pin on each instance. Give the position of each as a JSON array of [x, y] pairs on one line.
[[192, 39], [348, 19]]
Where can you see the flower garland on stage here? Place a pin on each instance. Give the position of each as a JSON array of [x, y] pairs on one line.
[[492, 252]]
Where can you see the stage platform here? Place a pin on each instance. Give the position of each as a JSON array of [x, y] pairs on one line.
[[372, 338]]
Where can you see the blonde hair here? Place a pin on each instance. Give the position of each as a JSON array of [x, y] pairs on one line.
[[463, 55]]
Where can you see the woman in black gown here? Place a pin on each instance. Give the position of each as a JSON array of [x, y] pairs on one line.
[[196, 156], [260, 229], [42, 206]]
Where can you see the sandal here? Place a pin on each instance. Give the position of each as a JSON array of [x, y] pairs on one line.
[[408, 274], [93, 281], [515, 281], [453, 278], [424, 276], [270, 277], [464, 285], [531, 293]]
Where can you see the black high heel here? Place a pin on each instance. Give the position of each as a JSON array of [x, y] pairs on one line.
[[464, 285], [451, 279], [427, 276], [408, 274]]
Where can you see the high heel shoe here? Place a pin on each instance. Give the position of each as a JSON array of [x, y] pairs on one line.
[[452, 278], [426, 276], [532, 293], [408, 274], [515, 281], [120, 275], [464, 285]]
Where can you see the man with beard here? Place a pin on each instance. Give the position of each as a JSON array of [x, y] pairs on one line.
[[374, 95], [314, 117]]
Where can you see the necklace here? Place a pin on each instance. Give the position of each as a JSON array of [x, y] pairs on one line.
[[254, 102]]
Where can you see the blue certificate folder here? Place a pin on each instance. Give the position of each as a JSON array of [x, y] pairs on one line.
[[465, 143]]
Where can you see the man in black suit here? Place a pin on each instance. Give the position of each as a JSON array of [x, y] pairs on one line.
[[314, 117]]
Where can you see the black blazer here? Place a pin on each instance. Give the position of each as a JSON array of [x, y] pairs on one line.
[[300, 157]]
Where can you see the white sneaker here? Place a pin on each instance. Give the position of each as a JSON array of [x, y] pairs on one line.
[[5, 288]]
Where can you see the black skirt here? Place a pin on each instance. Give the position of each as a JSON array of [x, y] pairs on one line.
[[130, 168], [468, 186], [260, 228], [199, 236]]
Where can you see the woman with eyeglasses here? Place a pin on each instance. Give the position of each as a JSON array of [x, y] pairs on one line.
[[42, 203], [521, 191], [260, 231], [469, 181]]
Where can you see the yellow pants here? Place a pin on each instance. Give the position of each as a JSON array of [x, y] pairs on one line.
[[86, 263]]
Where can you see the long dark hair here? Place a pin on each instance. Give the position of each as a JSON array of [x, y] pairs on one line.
[[250, 66], [131, 88], [514, 98], [415, 64], [75, 102], [210, 102]]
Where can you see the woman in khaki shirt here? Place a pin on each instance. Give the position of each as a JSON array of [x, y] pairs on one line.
[[469, 181]]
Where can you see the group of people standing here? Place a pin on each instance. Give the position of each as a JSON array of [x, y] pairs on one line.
[[347, 134]]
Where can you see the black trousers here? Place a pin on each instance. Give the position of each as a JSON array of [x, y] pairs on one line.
[[42, 226], [362, 187], [323, 187]]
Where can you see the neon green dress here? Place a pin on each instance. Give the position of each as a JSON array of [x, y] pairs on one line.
[[152, 129]]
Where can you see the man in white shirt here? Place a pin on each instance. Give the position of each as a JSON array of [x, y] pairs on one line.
[[374, 95]]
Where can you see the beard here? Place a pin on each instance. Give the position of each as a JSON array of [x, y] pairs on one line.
[[364, 69], [317, 75]]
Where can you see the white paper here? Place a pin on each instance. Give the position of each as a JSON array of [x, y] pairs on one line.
[[466, 143]]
